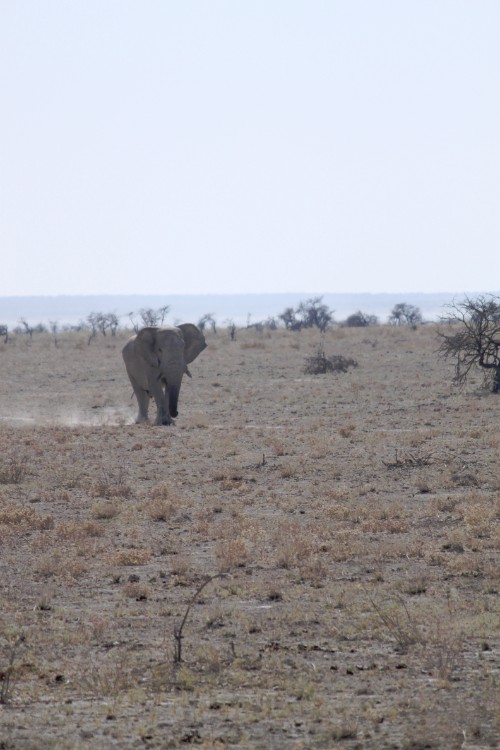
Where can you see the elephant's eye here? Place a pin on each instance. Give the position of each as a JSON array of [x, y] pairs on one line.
[[159, 350]]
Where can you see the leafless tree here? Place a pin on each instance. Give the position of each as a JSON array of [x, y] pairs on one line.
[[150, 317], [135, 324], [290, 319], [270, 323], [231, 327], [315, 314], [54, 327], [309, 314], [92, 322], [113, 322], [102, 322], [473, 339], [4, 331], [405, 314], [27, 328], [205, 320]]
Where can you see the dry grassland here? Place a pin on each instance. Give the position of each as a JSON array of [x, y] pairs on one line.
[[355, 517]]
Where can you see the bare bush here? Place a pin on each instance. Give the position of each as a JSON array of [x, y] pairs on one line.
[[320, 363], [475, 340], [361, 320]]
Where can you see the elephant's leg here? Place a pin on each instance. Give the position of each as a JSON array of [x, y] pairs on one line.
[[158, 393], [142, 397]]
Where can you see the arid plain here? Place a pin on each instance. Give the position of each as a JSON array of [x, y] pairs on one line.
[[354, 519]]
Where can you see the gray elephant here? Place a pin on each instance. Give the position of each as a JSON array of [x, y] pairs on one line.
[[156, 359]]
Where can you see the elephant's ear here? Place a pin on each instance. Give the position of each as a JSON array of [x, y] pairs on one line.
[[194, 341], [146, 345]]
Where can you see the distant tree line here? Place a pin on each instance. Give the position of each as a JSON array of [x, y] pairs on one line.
[[94, 323], [471, 338], [310, 313]]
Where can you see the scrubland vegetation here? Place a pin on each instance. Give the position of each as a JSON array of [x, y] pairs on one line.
[[351, 518]]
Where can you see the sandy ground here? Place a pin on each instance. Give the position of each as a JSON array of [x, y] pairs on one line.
[[352, 522]]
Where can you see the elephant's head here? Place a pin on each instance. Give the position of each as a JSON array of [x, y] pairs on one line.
[[166, 353]]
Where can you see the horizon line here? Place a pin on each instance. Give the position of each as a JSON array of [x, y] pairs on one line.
[[236, 294]]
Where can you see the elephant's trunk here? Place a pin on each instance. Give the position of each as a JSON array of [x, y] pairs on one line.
[[173, 373], [173, 397]]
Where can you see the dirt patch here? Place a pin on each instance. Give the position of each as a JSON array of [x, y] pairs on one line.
[[355, 517]]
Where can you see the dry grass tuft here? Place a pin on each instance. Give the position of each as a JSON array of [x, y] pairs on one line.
[[232, 553], [14, 468], [105, 510], [56, 564], [131, 557], [77, 530], [24, 517]]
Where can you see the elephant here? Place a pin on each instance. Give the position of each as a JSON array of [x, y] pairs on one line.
[[156, 359]]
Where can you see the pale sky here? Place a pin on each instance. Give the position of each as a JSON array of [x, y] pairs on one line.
[[234, 146]]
